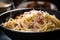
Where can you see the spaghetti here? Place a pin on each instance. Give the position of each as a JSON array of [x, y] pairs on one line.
[[33, 21]]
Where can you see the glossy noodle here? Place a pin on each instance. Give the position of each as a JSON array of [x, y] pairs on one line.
[[33, 21]]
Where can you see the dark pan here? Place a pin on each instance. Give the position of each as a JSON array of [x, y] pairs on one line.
[[27, 35]]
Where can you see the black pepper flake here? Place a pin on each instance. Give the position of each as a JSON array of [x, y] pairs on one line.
[[15, 25], [33, 20], [31, 27], [37, 27]]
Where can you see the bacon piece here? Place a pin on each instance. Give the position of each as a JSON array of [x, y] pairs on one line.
[[21, 25], [16, 17], [39, 13], [21, 16], [39, 20]]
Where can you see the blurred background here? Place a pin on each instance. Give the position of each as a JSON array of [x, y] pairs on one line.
[[6, 5]]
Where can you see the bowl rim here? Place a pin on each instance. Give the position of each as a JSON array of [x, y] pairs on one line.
[[25, 9], [23, 31]]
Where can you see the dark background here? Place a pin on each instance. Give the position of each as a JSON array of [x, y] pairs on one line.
[[56, 2]]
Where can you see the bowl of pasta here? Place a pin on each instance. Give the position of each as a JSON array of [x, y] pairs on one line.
[[27, 23]]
